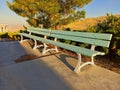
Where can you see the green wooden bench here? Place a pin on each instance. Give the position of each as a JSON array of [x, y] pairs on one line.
[[93, 39]]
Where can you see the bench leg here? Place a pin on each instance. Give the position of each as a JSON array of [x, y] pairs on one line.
[[79, 65], [56, 49], [77, 68], [21, 38], [36, 46], [46, 50]]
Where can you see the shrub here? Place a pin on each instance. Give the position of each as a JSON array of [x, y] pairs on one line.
[[9, 35], [110, 25]]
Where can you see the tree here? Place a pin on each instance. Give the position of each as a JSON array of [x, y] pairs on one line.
[[50, 13]]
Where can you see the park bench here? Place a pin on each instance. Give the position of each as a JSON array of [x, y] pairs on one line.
[[93, 39]]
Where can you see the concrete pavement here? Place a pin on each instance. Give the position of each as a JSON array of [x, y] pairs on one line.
[[10, 51], [32, 75], [52, 72], [91, 77]]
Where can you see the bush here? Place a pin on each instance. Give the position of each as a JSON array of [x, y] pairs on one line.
[[4, 35], [110, 25], [9, 35]]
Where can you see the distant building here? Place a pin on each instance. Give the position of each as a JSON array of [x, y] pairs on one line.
[[3, 27]]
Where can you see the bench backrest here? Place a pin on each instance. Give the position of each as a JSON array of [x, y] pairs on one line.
[[40, 31], [97, 39]]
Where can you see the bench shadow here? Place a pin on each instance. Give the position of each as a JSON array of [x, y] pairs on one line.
[[63, 57]]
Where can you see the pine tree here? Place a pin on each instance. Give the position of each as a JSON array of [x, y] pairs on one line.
[[50, 13]]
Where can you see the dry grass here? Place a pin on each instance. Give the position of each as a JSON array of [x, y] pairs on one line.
[[85, 23]]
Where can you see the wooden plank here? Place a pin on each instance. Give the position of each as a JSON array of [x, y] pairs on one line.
[[39, 32], [103, 36], [97, 42], [38, 29], [73, 37]]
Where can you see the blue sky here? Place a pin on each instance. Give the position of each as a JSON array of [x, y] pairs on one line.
[[9, 17], [101, 7], [94, 9]]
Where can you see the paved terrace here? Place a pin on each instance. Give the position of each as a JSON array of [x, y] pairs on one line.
[[51, 72]]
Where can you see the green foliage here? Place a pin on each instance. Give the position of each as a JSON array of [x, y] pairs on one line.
[[10, 35], [4, 35], [50, 13], [110, 25], [73, 43]]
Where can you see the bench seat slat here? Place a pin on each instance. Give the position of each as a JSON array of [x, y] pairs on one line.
[[76, 49]]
